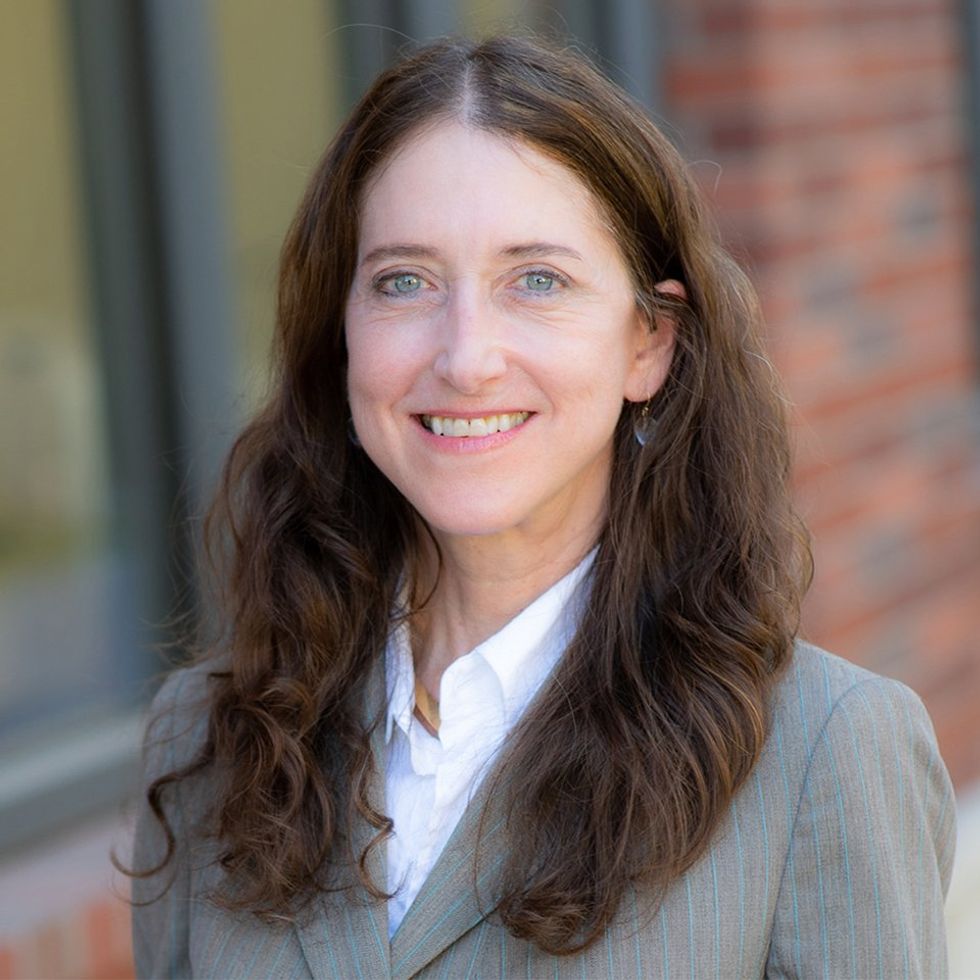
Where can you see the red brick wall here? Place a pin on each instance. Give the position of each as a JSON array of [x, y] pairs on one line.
[[833, 137], [91, 942], [63, 911]]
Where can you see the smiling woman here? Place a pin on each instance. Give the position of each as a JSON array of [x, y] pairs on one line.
[[490, 327], [508, 680]]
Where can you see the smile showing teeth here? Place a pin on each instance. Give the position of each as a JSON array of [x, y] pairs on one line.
[[445, 425]]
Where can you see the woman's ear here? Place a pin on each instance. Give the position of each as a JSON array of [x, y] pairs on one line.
[[671, 287], [654, 349]]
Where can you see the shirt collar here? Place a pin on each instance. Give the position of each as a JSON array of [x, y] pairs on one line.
[[524, 651], [521, 653], [400, 678]]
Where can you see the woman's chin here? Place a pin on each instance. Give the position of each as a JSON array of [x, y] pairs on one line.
[[469, 526]]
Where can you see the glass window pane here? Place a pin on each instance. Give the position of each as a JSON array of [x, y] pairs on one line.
[[60, 587], [280, 97]]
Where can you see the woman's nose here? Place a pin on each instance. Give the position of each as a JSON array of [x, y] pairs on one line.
[[470, 351]]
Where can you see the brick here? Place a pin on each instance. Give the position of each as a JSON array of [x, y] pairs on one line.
[[724, 18], [108, 940], [834, 143]]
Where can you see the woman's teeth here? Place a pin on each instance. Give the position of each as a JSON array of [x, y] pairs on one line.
[[444, 425]]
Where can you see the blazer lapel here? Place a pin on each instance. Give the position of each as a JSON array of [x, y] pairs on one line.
[[448, 905], [345, 934]]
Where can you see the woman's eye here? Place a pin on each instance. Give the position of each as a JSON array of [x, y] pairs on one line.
[[406, 282], [399, 284], [539, 282]]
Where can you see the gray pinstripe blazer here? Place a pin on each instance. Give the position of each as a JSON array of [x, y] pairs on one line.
[[832, 862]]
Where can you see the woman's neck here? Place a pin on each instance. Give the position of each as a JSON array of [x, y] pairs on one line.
[[483, 584]]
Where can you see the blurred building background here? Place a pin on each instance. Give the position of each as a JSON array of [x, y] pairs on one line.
[[152, 154]]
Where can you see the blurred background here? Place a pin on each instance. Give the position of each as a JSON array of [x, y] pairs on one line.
[[152, 154]]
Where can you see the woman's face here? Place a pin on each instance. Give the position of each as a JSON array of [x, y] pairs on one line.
[[493, 335]]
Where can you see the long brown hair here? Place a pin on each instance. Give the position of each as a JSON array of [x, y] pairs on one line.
[[695, 589]]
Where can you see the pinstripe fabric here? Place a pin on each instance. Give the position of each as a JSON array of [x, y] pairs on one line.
[[831, 862]]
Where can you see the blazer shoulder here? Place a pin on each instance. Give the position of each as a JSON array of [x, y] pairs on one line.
[[816, 684], [819, 672], [824, 700], [872, 834], [166, 855], [177, 720]]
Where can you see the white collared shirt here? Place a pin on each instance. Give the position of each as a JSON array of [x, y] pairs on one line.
[[430, 780]]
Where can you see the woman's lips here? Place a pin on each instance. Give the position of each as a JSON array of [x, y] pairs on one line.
[[475, 431], [473, 427]]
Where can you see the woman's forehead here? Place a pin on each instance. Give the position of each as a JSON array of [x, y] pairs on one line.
[[455, 180]]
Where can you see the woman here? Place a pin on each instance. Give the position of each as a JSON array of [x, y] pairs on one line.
[[508, 682]]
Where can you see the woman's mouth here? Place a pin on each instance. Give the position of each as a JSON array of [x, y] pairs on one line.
[[448, 425]]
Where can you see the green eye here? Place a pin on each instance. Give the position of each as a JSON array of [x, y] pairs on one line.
[[539, 282], [407, 282]]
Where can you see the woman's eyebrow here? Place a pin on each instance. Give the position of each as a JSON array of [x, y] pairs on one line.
[[399, 251], [521, 250], [536, 250]]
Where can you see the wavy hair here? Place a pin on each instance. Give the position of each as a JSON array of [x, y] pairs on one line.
[[658, 710]]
